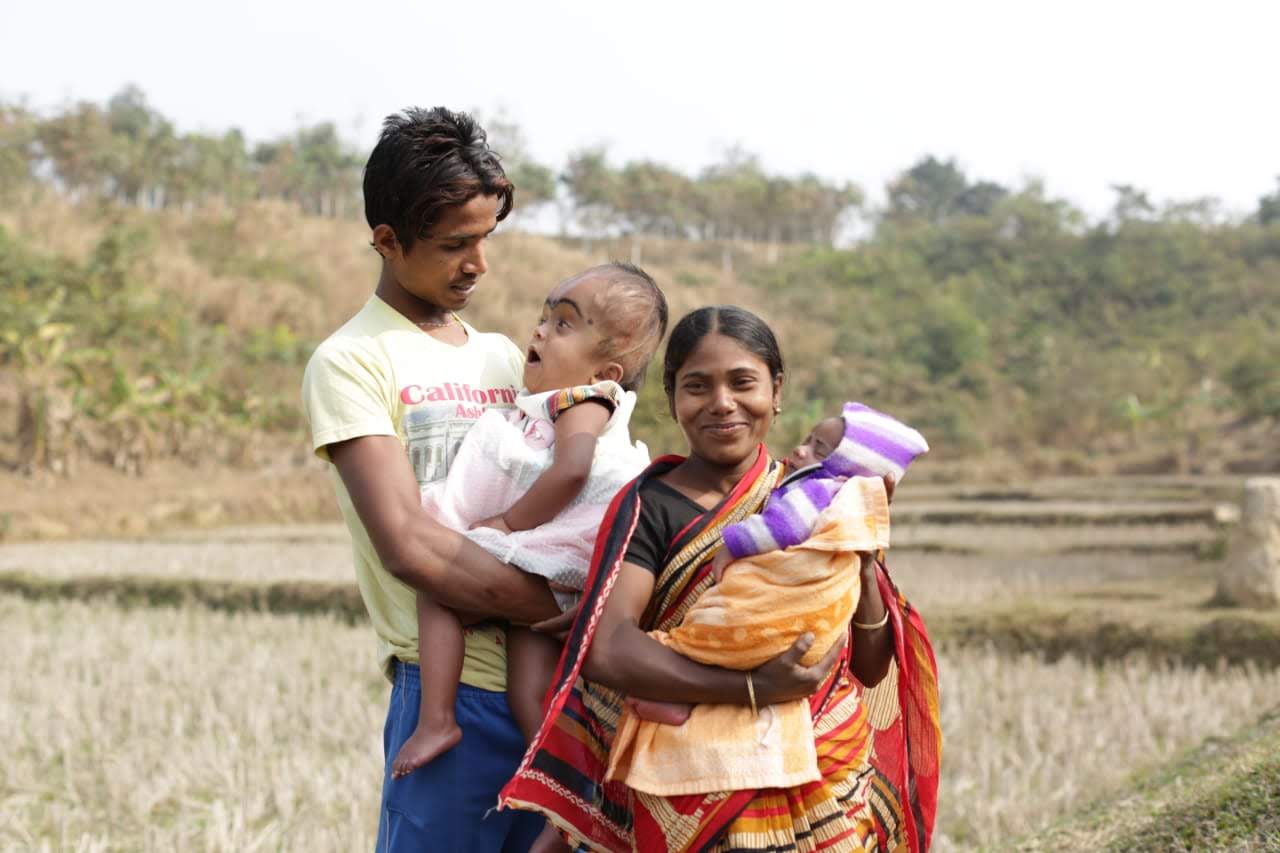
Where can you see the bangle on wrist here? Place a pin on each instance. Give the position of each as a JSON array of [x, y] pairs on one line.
[[874, 626], [751, 694]]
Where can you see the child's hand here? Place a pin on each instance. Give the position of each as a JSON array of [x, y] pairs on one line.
[[889, 485], [718, 563], [667, 713], [495, 523]]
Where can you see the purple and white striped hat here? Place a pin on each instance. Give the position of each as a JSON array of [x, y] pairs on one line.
[[874, 444]]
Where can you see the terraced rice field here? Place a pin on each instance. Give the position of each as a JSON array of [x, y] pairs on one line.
[[169, 728], [179, 727]]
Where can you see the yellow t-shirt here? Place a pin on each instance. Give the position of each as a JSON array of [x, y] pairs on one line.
[[381, 375]]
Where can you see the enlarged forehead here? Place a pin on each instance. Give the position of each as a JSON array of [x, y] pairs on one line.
[[585, 289]]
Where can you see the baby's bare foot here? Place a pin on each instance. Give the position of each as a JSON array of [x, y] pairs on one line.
[[549, 841], [668, 713], [422, 746]]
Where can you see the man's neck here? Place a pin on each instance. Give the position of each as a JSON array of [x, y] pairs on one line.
[[413, 309]]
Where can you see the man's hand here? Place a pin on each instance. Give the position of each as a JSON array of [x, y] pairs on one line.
[[495, 523], [719, 563], [558, 626]]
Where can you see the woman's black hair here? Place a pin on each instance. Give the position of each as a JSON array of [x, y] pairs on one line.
[[746, 328], [425, 162]]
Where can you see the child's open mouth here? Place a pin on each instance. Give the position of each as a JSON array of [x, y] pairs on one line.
[[532, 357]]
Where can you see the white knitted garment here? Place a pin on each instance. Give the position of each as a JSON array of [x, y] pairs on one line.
[[503, 454]]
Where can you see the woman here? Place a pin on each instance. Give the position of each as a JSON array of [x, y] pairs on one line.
[[878, 749]]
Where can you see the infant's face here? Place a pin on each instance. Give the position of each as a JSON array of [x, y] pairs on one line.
[[818, 446]]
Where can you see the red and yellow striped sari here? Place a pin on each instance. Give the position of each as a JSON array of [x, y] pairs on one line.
[[878, 750]]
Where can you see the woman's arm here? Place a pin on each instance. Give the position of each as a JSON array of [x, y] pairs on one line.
[[578, 429], [872, 646], [624, 657]]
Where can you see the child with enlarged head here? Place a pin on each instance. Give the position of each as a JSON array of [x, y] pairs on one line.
[[531, 485]]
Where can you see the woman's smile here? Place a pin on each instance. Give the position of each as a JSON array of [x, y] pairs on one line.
[[729, 429]]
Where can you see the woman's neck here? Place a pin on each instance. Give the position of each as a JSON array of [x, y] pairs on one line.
[[701, 479]]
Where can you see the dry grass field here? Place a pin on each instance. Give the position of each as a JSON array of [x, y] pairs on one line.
[[308, 554], [172, 729], [181, 728], [1025, 742]]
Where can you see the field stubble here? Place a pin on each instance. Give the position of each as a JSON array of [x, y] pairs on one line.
[[166, 729], [184, 728]]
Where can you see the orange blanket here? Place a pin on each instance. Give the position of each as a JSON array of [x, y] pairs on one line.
[[755, 613]]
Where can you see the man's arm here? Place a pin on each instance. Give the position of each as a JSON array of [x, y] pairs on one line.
[[624, 657], [420, 551]]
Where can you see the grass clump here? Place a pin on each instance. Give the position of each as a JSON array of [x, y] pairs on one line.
[[1223, 794]]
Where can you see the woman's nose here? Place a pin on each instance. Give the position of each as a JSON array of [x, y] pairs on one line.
[[722, 399]]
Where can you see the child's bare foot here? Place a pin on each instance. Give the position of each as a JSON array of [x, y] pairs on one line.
[[426, 743], [549, 841], [668, 713]]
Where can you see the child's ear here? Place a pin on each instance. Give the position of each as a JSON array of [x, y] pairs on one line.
[[611, 371]]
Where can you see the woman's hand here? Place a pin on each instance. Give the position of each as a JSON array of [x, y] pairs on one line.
[[784, 678]]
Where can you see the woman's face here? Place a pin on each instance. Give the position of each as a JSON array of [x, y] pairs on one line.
[[724, 400]]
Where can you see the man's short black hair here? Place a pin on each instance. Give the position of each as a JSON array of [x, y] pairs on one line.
[[427, 161]]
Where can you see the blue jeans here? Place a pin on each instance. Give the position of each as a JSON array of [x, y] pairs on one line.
[[446, 805]]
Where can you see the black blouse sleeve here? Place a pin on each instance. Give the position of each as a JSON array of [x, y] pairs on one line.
[[647, 547], [664, 512]]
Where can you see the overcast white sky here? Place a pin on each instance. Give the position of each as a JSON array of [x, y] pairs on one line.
[[1179, 98]]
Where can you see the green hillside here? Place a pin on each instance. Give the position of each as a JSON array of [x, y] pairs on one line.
[[159, 307]]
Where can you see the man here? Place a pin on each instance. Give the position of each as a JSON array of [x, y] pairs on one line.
[[389, 397]]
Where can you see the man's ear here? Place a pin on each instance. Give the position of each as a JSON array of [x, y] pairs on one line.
[[611, 371], [385, 242]]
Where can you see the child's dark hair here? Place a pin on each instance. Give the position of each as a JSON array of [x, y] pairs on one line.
[[636, 319], [427, 161], [746, 328]]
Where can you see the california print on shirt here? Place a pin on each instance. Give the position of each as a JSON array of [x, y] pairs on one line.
[[438, 419]]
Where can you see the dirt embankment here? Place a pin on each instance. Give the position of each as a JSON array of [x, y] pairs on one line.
[[101, 502]]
